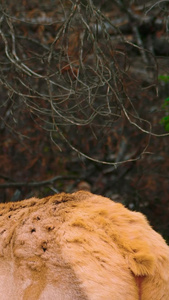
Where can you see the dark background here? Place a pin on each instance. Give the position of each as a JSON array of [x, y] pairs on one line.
[[52, 140]]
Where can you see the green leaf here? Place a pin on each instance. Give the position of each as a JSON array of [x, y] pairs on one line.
[[165, 120], [46, 149], [167, 101], [167, 127], [164, 78]]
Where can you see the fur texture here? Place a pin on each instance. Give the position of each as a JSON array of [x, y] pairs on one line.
[[80, 247]]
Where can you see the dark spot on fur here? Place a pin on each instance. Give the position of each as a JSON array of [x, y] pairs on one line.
[[50, 228], [44, 246], [33, 230]]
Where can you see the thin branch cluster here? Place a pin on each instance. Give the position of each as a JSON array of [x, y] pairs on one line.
[[65, 62]]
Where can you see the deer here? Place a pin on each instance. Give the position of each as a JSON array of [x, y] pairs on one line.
[[80, 246]]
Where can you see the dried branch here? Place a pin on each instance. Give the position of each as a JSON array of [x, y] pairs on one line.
[[38, 183], [72, 72]]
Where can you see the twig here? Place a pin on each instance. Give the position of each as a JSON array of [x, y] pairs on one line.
[[39, 183]]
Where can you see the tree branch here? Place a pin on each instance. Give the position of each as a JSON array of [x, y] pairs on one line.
[[38, 183]]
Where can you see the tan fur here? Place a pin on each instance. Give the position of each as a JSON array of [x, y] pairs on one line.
[[80, 247]]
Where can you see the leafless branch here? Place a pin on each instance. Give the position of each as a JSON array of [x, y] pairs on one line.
[[37, 183], [72, 72]]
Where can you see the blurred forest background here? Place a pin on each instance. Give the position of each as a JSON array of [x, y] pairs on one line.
[[84, 101]]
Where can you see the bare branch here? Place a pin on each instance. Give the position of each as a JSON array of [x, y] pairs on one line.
[[37, 183], [71, 69]]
